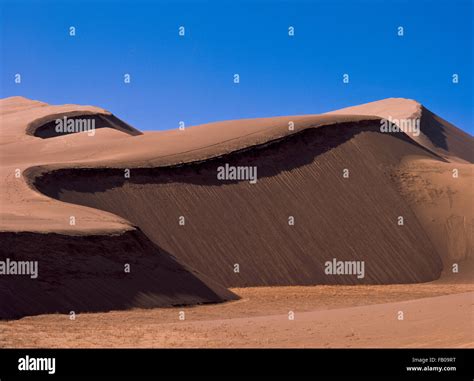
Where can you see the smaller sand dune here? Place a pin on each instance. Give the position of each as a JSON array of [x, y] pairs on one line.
[[97, 273], [81, 266]]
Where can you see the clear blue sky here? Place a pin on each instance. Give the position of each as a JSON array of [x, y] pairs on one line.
[[191, 78]]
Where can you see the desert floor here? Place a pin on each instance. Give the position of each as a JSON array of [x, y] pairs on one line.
[[434, 315]]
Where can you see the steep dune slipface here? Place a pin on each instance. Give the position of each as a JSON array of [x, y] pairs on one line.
[[445, 139], [229, 223]]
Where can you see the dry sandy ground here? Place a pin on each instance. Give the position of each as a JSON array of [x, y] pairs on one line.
[[435, 315]]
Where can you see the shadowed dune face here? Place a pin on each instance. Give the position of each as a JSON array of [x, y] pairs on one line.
[[448, 139], [87, 274], [235, 222], [80, 123], [435, 133]]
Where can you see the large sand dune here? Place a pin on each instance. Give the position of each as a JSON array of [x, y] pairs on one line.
[[247, 224], [173, 175]]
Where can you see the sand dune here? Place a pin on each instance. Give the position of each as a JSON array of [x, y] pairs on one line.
[[86, 273], [247, 224], [437, 134], [173, 175]]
